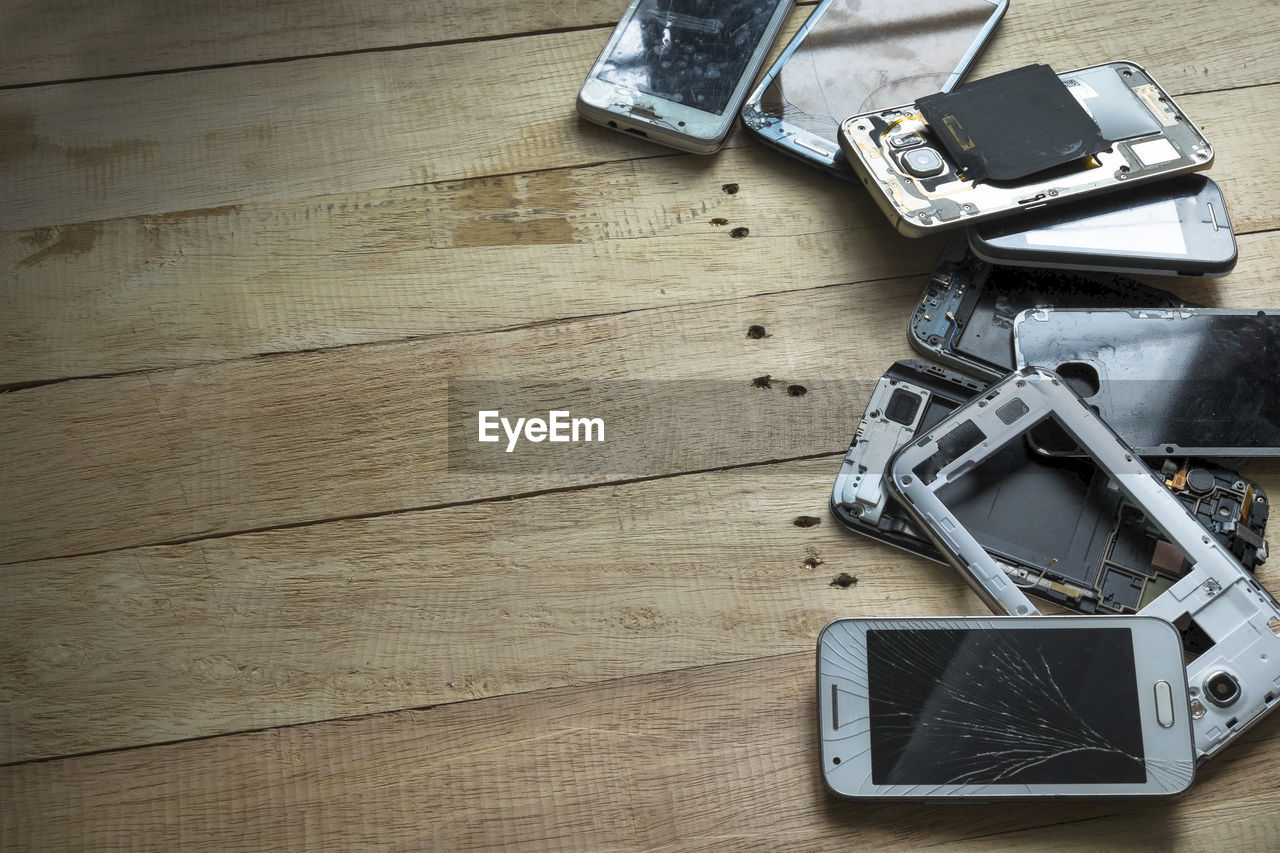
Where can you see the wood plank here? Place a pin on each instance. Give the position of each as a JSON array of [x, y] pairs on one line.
[[101, 464], [165, 456], [77, 39], [290, 626], [715, 758], [481, 254], [414, 609], [112, 148], [335, 270]]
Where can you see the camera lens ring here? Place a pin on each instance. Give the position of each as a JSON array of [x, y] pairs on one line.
[[1222, 689], [922, 161]]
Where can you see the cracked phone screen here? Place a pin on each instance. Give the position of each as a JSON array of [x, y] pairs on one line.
[[866, 55], [1011, 706], [692, 52]]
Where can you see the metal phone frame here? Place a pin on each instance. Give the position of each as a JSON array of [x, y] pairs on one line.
[[915, 215], [1216, 592]]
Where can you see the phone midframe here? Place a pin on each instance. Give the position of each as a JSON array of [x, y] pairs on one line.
[[923, 205], [1215, 594], [965, 314], [1094, 553], [848, 739]]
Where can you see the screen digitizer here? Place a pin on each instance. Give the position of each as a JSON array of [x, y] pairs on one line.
[[1017, 706]]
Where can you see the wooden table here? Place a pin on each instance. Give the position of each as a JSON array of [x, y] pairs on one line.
[[252, 601]]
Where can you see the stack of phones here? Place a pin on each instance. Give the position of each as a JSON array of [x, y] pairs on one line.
[[1078, 445], [1079, 450], [1120, 705]]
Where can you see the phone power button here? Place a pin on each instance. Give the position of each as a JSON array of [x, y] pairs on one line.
[[1164, 704]]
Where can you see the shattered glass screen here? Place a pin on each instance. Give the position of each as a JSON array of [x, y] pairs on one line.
[[865, 55], [1012, 706], [689, 51]]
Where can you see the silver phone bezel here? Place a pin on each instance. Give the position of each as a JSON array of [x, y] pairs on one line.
[[1224, 600], [976, 203], [846, 757]]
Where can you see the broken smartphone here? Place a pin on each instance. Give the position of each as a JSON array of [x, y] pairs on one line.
[[1055, 707], [965, 315], [1174, 227], [676, 71], [1090, 550], [1234, 678], [1193, 381], [1128, 131], [857, 55]]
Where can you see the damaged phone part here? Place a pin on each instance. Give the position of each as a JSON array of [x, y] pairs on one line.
[[1235, 679], [1093, 552], [1054, 707], [851, 56], [966, 313], [1013, 124], [1195, 381], [1123, 129]]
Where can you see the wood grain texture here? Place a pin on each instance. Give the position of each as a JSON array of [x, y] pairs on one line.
[[714, 758], [273, 272], [413, 609], [108, 463], [336, 270], [113, 148], [488, 253], [76, 39]]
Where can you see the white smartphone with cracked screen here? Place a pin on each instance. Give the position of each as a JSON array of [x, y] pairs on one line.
[[677, 71], [1004, 707]]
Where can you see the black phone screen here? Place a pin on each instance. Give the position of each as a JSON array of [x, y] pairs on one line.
[[864, 55], [692, 52], [1012, 706]]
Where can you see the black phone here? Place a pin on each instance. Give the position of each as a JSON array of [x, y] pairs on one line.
[[1174, 227]]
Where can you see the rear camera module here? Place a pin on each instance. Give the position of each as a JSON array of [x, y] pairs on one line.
[[922, 162], [1222, 689]]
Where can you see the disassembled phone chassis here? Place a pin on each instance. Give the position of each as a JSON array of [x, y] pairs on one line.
[[1096, 554], [1216, 593]]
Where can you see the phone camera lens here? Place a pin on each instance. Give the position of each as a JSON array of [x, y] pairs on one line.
[[922, 162], [1222, 689]]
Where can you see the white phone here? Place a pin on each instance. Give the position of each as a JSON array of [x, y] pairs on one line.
[[677, 71], [1004, 707]]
